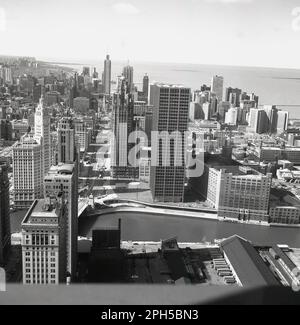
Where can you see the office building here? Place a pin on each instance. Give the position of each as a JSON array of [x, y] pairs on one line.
[[4, 213], [217, 87], [44, 242], [170, 114], [123, 126], [233, 96], [27, 171], [128, 75], [63, 178], [107, 76], [66, 141], [146, 86], [231, 116], [239, 192], [42, 129]]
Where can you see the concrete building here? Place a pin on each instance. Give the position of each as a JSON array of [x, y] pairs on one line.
[[217, 85], [63, 178], [19, 128], [239, 192], [83, 133], [107, 76], [66, 141], [4, 213], [123, 126], [27, 171], [231, 116], [170, 121], [44, 242], [128, 75]]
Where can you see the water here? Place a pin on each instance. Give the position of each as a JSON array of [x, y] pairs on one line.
[[279, 87], [152, 227]]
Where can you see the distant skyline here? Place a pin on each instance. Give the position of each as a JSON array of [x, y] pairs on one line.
[[263, 33]]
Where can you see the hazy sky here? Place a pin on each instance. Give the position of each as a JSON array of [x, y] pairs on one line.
[[238, 32]]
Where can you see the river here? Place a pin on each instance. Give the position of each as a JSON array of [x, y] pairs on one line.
[[152, 227]]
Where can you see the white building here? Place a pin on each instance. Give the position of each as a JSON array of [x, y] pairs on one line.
[[43, 243], [239, 192], [231, 116], [27, 171]]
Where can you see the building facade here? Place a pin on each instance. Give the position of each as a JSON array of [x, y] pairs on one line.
[[170, 121]]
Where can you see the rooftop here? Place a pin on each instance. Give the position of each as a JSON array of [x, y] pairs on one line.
[[247, 263], [41, 212]]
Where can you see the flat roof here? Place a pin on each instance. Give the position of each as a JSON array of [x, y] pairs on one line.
[[37, 210], [247, 263]]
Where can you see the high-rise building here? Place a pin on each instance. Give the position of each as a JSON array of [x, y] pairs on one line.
[[44, 242], [27, 171], [233, 96], [146, 86], [217, 87], [123, 126], [282, 121], [128, 75], [42, 129], [107, 75], [63, 178], [4, 213], [66, 141], [170, 121]]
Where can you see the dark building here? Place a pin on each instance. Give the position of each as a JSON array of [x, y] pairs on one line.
[[233, 95], [4, 213], [170, 121], [106, 261], [146, 86], [123, 126], [5, 130]]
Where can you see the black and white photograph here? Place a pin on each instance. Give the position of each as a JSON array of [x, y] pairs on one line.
[[149, 155]]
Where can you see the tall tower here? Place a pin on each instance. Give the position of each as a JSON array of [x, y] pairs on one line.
[[4, 213], [145, 86], [217, 87], [42, 129], [64, 178], [66, 141], [128, 75], [123, 125], [170, 121], [107, 75]]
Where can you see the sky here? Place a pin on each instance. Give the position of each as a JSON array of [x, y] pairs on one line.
[[225, 32]]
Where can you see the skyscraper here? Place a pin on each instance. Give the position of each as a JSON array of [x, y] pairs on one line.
[[170, 114], [27, 171], [123, 125], [128, 75], [146, 86], [4, 213], [217, 87], [64, 178], [66, 141], [42, 129], [44, 242], [107, 75]]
